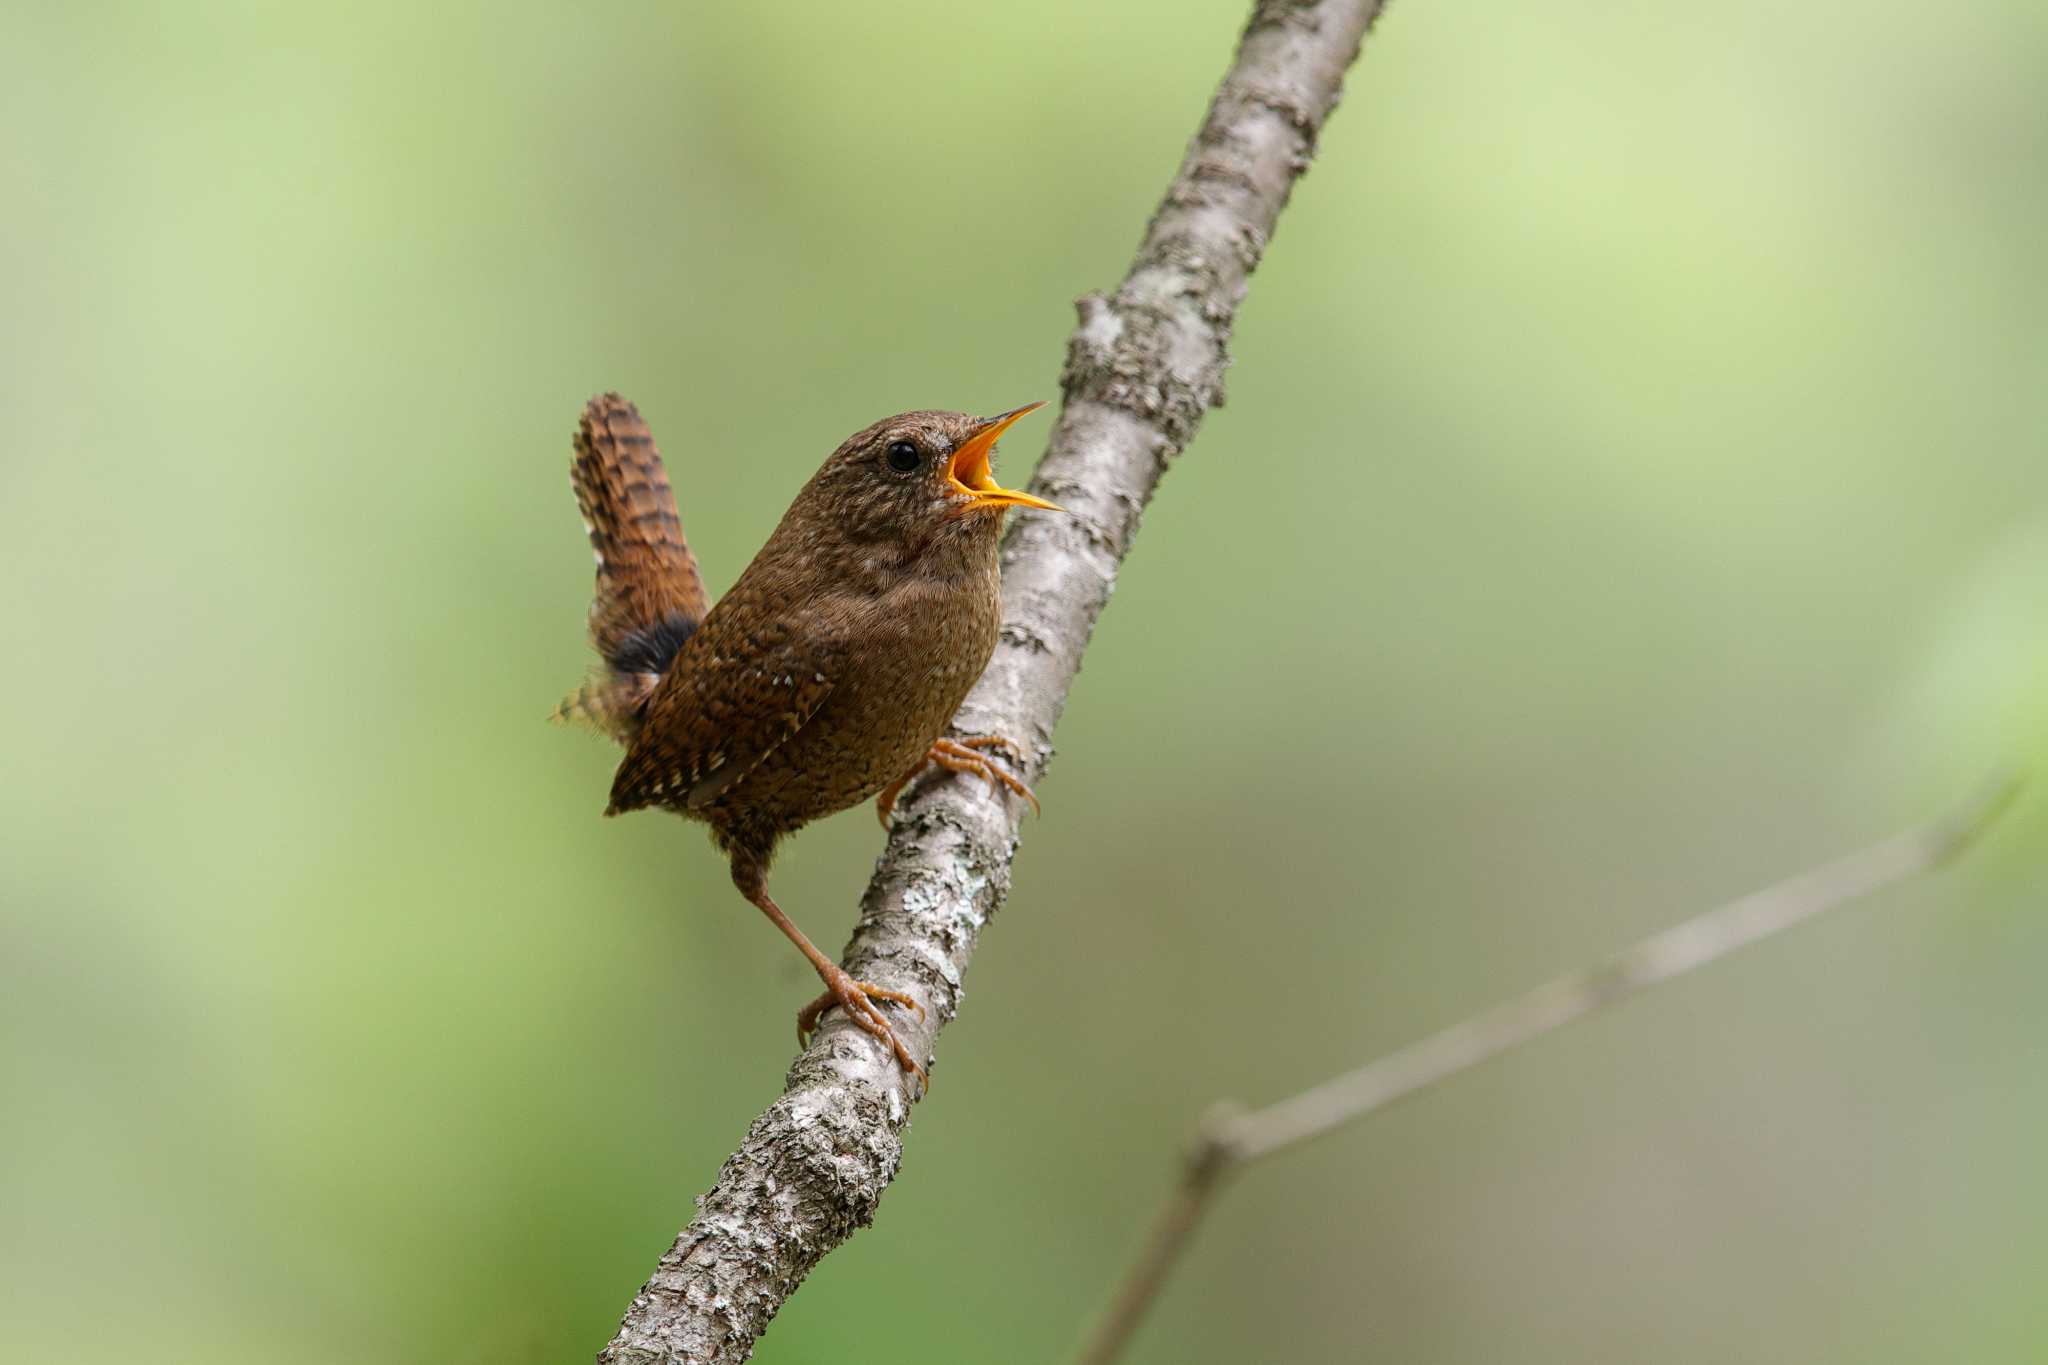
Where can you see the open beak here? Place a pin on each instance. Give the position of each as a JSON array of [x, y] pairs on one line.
[[970, 473]]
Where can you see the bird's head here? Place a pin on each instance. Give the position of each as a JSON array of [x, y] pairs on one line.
[[919, 477]]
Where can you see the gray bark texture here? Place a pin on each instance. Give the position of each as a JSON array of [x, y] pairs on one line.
[[1142, 368]]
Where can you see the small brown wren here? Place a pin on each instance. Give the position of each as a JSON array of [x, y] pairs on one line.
[[826, 675]]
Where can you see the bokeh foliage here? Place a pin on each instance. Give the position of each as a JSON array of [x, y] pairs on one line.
[[1632, 490]]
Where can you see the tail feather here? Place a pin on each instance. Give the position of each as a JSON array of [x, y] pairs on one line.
[[608, 703], [649, 597], [647, 578]]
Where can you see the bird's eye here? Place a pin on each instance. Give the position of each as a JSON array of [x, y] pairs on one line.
[[902, 456]]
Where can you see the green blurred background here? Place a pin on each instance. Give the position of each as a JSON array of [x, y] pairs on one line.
[[1632, 491]]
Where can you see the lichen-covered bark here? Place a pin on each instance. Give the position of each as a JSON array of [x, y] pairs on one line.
[[1142, 368]]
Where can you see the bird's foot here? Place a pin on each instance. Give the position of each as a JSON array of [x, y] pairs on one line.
[[858, 999], [963, 756]]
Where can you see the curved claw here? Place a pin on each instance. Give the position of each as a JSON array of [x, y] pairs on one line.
[[960, 756], [975, 763], [858, 998]]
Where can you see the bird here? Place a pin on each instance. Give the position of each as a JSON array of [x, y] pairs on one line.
[[826, 675]]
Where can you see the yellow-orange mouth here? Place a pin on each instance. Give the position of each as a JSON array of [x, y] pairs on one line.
[[970, 474]]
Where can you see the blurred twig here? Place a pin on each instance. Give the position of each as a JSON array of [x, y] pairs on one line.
[[1231, 1138], [1143, 367]]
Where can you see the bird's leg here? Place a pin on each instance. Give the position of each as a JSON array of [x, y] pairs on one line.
[[960, 756], [886, 802], [857, 998]]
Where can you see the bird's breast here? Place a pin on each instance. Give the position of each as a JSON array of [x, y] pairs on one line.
[[911, 666]]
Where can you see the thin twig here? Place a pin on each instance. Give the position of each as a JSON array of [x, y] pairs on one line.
[[1143, 367], [1231, 1138]]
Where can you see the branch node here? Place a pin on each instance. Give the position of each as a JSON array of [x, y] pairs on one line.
[[1217, 1145]]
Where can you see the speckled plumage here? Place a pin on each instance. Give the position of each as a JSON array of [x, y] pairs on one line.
[[832, 666]]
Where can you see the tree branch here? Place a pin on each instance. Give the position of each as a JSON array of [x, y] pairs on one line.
[[1230, 1138], [1142, 369]]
